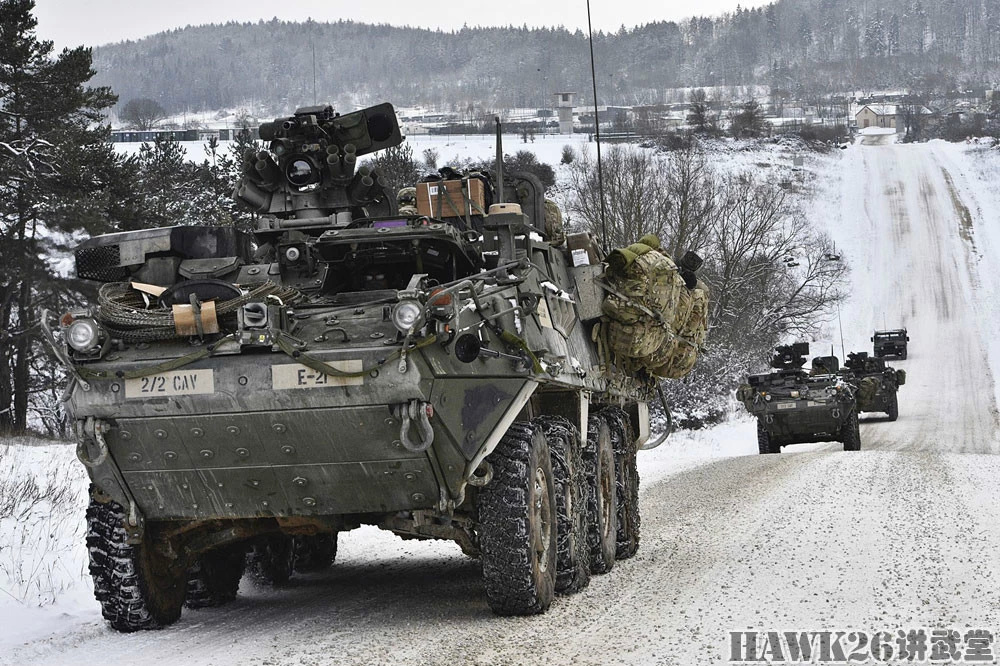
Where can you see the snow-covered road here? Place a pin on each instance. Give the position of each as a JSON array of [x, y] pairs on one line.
[[911, 236], [902, 535]]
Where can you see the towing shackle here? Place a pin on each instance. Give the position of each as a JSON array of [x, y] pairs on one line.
[[418, 413]]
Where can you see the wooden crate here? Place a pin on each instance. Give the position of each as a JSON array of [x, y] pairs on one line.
[[447, 198]]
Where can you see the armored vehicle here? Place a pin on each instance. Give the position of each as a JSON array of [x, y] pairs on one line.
[[793, 406], [444, 372], [891, 342], [877, 383]]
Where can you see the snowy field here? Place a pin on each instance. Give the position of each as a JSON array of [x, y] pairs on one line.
[[900, 536]]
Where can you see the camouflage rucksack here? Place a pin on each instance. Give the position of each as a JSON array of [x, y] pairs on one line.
[[655, 322], [554, 223]]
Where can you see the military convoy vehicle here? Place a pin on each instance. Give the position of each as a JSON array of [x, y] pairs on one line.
[[877, 383], [794, 406], [891, 342], [448, 376]]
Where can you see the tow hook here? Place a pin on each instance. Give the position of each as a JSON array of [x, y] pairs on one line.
[[415, 412], [92, 430]]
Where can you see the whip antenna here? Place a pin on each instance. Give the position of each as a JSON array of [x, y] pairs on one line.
[[496, 119], [597, 135]]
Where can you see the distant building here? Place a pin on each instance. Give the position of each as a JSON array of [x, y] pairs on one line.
[[565, 101], [879, 115]]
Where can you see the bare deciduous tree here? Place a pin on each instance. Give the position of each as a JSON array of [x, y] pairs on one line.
[[635, 199], [769, 272], [143, 113]]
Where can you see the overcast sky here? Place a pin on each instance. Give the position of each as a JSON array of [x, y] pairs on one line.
[[94, 22]]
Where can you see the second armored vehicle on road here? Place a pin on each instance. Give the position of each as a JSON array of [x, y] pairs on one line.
[[793, 406], [877, 383], [890, 343]]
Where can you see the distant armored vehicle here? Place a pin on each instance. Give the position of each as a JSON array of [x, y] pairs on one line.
[[451, 371], [891, 342], [877, 383], [793, 406]]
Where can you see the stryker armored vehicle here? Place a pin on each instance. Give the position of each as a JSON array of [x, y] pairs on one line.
[[442, 375], [877, 383], [891, 342], [793, 406]]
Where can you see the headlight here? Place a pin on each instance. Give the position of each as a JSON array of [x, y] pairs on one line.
[[408, 315], [84, 335]]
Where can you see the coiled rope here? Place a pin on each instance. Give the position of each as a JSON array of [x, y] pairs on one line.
[[126, 315]]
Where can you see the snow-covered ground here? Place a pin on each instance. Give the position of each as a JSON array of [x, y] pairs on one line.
[[547, 147], [902, 535]]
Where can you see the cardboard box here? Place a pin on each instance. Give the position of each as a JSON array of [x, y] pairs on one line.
[[451, 198]]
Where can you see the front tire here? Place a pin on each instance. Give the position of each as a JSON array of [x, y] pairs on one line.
[[893, 410], [602, 495], [850, 433], [517, 524], [137, 587], [765, 443]]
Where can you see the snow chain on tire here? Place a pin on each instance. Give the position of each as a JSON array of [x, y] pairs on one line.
[[214, 580], [516, 518], [765, 443], [602, 502], [850, 433], [271, 560], [136, 587], [573, 554], [315, 553], [626, 481]]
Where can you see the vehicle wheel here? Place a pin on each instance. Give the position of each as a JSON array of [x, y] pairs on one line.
[[517, 524], [315, 553], [765, 443], [893, 410], [137, 587], [214, 580], [602, 495], [572, 553], [850, 433], [271, 560], [626, 482]]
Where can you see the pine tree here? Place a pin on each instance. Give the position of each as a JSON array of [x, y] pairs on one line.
[[167, 184], [54, 158], [700, 118], [749, 122], [226, 175]]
